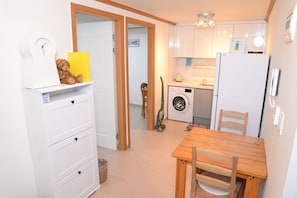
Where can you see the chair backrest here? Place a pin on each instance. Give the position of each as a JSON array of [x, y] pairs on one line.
[[143, 86], [207, 160], [236, 121]]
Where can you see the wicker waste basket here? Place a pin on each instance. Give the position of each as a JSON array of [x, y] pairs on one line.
[[102, 164]]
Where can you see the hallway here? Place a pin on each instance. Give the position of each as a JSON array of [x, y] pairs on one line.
[[147, 169], [136, 120]]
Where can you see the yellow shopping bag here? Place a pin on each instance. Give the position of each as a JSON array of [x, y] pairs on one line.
[[80, 64]]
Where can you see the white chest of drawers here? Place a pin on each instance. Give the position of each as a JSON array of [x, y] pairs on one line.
[[61, 131]]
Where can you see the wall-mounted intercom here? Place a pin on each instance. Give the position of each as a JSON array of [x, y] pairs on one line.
[[275, 77], [290, 25]]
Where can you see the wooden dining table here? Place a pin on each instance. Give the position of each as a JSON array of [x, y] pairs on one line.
[[249, 150]]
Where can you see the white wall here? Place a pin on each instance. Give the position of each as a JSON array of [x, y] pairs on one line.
[[20, 18], [281, 149], [161, 66], [138, 59]]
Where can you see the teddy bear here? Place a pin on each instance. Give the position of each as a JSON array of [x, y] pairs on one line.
[[64, 74]]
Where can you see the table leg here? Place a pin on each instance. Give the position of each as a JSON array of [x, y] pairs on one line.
[[180, 182], [251, 187]]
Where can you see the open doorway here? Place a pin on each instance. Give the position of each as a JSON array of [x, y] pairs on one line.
[[120, 92], [121, 76], [94, 36], [150, 31], [138, 75]]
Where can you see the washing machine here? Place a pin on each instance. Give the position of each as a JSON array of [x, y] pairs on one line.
[[180, 103]]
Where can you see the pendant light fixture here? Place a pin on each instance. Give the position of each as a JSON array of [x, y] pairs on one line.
[[205, 19]]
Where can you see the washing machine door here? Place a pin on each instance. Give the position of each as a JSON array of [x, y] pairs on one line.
[[180, 103]]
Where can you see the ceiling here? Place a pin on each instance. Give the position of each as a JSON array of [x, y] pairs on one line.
[[185, 11]]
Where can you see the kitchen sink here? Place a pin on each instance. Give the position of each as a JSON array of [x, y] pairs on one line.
[[206, 84]]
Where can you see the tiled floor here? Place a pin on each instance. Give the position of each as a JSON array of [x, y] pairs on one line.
[[137, 121], [147, 169]]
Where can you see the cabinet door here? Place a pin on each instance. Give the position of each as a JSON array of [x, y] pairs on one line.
[[67, 117], [184, 41], [203, 103], [80, 183], [221, 38], [68, 155], [250, 31], [203, 45]]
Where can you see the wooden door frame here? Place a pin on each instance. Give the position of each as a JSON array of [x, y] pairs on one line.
[[120, 68], [151, 72]]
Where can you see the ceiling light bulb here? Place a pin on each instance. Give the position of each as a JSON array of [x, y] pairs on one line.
[[211, 23], [200, 23]]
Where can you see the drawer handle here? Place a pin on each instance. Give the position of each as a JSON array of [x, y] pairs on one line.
[[76, 139], [79, 172], [72, 101]]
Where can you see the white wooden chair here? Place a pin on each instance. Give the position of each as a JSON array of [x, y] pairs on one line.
[[143, 88], [214, 181], [233, 121]]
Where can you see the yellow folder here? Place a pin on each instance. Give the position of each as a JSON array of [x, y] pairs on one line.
[[80, 64]]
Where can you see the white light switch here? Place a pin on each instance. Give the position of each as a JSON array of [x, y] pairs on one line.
[[276, 116], [281, 123]]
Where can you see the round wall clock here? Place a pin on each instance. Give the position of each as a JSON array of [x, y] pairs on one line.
[[41, 45], [39, 61], [44, 46]]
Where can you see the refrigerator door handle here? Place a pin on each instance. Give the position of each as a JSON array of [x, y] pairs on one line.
[[213, 119], [217, 76]]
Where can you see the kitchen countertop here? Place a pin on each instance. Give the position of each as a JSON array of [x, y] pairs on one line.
[[192, 84]]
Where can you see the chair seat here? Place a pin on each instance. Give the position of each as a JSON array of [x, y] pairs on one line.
[[207, 191], [207, 167]]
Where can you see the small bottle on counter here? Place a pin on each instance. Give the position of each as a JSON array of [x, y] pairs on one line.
[[204, 81]]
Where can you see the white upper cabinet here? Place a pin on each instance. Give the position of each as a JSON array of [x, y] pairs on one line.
[[222, 33], [203, 42], [193, 42], [250, 31], [184, 41]]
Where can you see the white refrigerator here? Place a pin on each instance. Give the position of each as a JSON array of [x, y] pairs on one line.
[[240, 85]]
